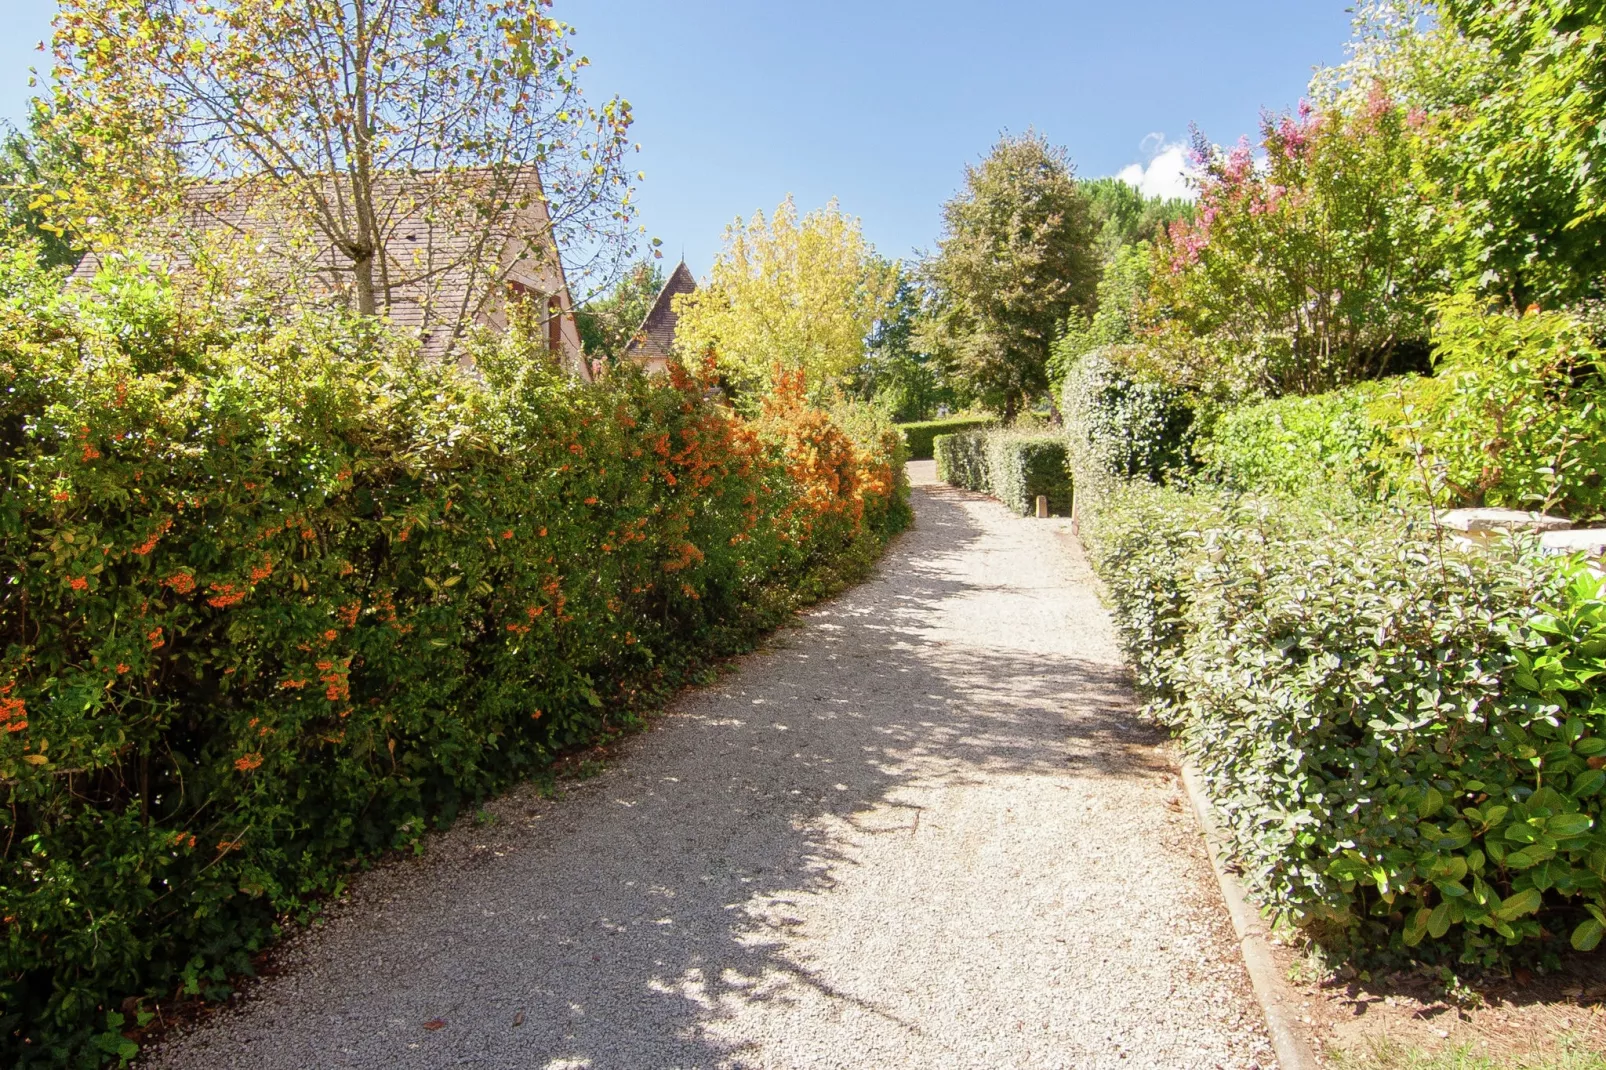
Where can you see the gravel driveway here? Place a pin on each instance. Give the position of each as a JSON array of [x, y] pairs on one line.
[[921, 829]]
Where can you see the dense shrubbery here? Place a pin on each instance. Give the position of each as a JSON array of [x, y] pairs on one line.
[[280, 597], [1123, 426], [1513, 416], [1013, 466], [1402, 748], [919, 436], [1297, 444]]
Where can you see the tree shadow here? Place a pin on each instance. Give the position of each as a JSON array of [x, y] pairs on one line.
[[615, 927]]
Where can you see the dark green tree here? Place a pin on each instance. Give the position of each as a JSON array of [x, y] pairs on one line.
[[897, 374], [1017, 255], [1124, 216], [608, 323]]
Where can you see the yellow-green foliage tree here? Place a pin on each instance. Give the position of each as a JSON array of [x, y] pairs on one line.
[[798, 294], [360, 118]]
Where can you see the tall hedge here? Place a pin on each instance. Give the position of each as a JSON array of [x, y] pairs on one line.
[[279, 597], [1013, 466], [1122, 426], [1404, 742], [919, 437]]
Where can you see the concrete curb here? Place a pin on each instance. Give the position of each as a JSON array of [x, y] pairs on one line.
[[1277, 1001]]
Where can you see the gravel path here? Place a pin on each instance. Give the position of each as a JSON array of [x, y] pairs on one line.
[[922, 829]]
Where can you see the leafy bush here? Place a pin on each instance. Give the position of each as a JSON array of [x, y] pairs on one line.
[[962, 460], [1403, 749], [279, 597], [1023, 465], [1121, 425], [1296, 444], [1013, 466], [1515, 414], [918, 437]]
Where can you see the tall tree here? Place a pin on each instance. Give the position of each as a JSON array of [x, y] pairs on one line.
[[608, 323], [1125, 216], [1017, 255], [361, 116], [789, 293], [1527, 142], [896, 374]]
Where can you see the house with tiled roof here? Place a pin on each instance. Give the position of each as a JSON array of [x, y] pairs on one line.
[[443, 272], [653, 345]]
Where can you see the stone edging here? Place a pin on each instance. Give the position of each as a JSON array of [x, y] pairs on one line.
[[1277, 1001]]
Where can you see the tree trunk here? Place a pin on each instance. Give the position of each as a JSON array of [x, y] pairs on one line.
[[363, 267]]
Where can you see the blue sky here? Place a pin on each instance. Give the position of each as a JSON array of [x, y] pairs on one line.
[[881, 103]]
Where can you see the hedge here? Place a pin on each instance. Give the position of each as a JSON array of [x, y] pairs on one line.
[[279, 598], [1296, 444], [1013, 466], [919, 437], [1405, 743], [1122, 426]]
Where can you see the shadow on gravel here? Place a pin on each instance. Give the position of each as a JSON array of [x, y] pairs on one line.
[[608, 930]]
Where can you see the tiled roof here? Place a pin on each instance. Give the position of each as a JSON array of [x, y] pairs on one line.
[[656, 337], [440, 262]]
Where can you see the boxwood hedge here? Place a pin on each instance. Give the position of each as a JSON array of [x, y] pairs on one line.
[[1013, 466], [919, 437]]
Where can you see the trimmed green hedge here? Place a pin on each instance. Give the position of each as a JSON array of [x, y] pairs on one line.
[[1121, 426], [279, 598], [1013, 466], [919, 437], [1405, 744]]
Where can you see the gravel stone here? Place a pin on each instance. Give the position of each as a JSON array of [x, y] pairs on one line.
[[923, 828]]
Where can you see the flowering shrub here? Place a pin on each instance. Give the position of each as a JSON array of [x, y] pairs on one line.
[[278, 597], [1306, 269]]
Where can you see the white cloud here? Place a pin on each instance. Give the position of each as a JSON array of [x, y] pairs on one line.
[[1166, 172]]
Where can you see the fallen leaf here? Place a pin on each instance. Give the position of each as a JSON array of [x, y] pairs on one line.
[[518, 1019], [435, 1023]]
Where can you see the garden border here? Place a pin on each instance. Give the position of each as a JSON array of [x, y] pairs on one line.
[[1272, 991]]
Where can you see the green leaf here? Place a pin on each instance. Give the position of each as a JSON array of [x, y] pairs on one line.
[[1439, 920], [1589, 783], [1430, 803], [1587, 936], [1566, 826], [1517, 904], [1416, 927]]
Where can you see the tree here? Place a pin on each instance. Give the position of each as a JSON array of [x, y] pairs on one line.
[[1017, 255], [1123, 293], [1529, 175], [788, 293], [1123, 216], [896, 374], [32, 163], [359, 116], [1313, 270], [608, 323], [1505, 99]]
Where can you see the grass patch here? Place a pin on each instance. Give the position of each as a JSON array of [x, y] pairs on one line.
[[1566, 1054]]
